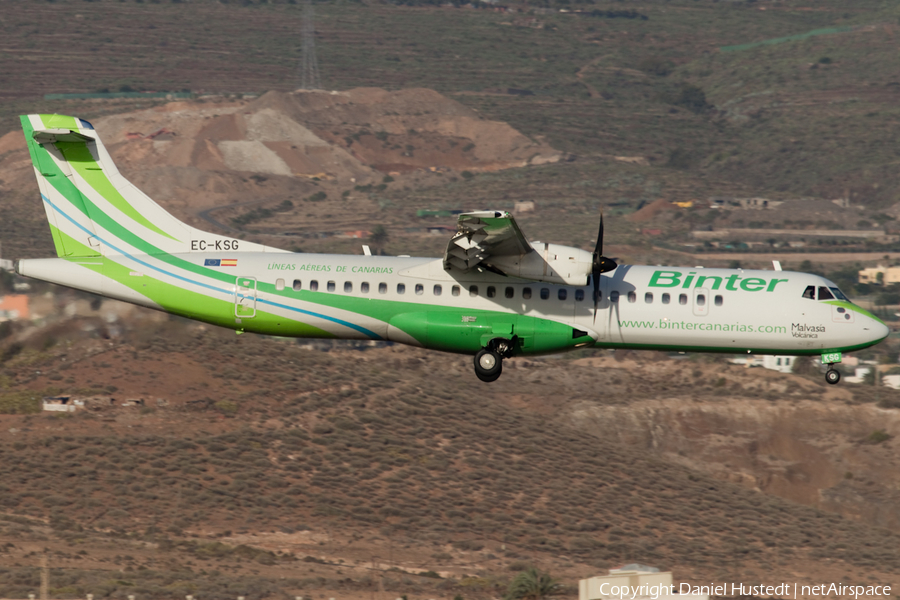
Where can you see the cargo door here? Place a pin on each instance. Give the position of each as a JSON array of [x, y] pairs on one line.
[[245, 298]]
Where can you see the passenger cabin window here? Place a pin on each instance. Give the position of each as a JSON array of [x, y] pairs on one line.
[[598, 295], [348, 287], [810, 292], [719, 301], [545, 293], [825, 293], [579, 295], [632, 296], [420, 289], [279, 284], [473, 290], [330, 286], [364, 287], [666, 298], [382, 288], [562, 293], [401, 288], [648, 298], [682, 299], [454, 291], [510, 292], [614, 296], [701, 300], [297, 285], [314, 286], [438, 290], [526, 293], [491, 291]]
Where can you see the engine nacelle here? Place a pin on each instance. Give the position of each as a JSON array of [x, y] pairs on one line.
[[552, 263]]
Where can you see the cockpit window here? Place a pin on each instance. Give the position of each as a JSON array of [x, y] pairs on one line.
[[825, 294], [810, 292], [839, 294]]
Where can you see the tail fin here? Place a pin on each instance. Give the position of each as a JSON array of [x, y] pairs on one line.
[[93, 210]]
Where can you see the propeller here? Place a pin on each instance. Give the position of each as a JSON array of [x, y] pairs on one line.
[[599, 264]]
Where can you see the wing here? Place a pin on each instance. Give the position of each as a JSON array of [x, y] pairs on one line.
[[484, 238]]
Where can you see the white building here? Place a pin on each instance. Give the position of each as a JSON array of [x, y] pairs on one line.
[[61, 404], [782, 364], [642, 583]]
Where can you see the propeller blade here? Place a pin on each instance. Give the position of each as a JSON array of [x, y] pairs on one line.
[[598, 247], [599, 264]]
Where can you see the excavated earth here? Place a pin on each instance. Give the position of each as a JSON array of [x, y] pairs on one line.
[[206, 154]]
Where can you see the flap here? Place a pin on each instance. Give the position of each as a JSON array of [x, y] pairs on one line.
[[481, 236], [51, 136]]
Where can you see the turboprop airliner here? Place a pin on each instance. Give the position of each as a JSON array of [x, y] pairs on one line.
[[492, 295]]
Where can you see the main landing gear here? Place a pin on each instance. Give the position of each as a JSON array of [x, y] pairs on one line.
[[489, 360], [832, 375]]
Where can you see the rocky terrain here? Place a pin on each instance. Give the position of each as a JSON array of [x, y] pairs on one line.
[[246, 463], [309, 157]]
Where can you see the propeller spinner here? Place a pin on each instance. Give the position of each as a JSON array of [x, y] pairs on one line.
[[599, 264]]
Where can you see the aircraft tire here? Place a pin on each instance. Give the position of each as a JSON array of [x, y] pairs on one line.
[[832, 376], [488, 365]]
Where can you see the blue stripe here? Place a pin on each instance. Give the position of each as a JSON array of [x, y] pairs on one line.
[[353, 326]]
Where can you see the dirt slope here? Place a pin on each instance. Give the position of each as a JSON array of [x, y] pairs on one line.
[[785, 435], [211, 153], [409, 129], [269, 445]]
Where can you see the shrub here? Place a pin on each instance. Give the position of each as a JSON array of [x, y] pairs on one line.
[[878, 436]]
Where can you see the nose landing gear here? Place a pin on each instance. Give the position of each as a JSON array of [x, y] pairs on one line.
[[832, 375], [489, 360]]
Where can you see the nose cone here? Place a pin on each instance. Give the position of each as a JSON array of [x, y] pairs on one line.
[[879, 331]]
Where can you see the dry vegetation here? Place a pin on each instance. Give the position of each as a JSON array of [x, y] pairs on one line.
[[263, 453], [272, 469], [763, 121]]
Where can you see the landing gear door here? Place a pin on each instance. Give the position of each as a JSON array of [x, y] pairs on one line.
[[245, 298], [701, 302]]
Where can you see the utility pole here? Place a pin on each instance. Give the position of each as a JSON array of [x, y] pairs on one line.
[[309, 65], [45, 576]]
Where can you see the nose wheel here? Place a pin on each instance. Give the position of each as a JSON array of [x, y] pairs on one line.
[[832, 376]]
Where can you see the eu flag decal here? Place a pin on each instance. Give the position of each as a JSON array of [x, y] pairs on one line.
[[211, 262]]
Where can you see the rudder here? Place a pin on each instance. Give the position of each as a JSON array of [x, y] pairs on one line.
[[92, 209]]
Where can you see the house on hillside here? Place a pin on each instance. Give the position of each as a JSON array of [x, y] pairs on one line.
[[880, 275], [647, 582], [14, 307], [758, 203], [782, 364], [61, 404]]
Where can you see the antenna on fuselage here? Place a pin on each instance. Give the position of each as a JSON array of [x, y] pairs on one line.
[[776, 264]]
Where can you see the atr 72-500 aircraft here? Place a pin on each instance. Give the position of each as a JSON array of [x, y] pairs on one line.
[[492, 295]]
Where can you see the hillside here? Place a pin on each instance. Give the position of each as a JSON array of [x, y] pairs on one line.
[[221, 465], [289, 163], [391, 464], [681, 100]]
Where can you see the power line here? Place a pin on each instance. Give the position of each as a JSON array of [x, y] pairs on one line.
[[309, 66]]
